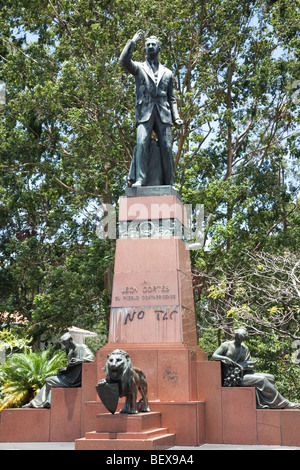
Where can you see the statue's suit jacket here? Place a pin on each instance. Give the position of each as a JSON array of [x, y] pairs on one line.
[[151, 90]]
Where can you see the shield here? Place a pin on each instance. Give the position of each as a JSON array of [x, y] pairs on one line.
[[108, 394]]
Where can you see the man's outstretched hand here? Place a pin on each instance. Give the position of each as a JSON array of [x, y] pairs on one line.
[[138, 36], [179, 122]]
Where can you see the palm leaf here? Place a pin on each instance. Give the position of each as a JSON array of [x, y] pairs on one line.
[[24, 374]]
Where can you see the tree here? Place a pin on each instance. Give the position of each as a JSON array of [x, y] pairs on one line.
[[263, 295], [12, 340]]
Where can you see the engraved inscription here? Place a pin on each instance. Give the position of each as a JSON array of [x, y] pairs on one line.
[[139, 290], [146, 292]]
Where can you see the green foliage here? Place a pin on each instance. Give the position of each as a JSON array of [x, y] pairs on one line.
[[24, 374], [74, 291], [11, 341], [275, 357]]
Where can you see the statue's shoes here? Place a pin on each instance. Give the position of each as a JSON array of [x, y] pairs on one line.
[[137, 184]]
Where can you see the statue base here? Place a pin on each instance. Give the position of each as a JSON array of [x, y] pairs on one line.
[[153, 317], [125, 432], [147, 191]]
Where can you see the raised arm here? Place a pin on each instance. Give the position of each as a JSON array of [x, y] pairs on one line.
[[126, 56]]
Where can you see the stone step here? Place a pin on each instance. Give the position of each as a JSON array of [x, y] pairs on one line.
[[141, 431], [148, 434], [164, 441], [121, 423]]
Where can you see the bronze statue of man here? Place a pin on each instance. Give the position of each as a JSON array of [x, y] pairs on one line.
[[156, 107], [235, 355], [70, 376]]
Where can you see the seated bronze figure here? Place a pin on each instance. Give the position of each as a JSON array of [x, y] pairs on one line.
[[238, 371]]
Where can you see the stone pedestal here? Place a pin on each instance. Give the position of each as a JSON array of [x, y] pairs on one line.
[[152, 308], [152, 296], [127, 432]]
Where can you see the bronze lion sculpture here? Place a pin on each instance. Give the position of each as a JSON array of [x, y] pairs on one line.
[[123, 380]]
